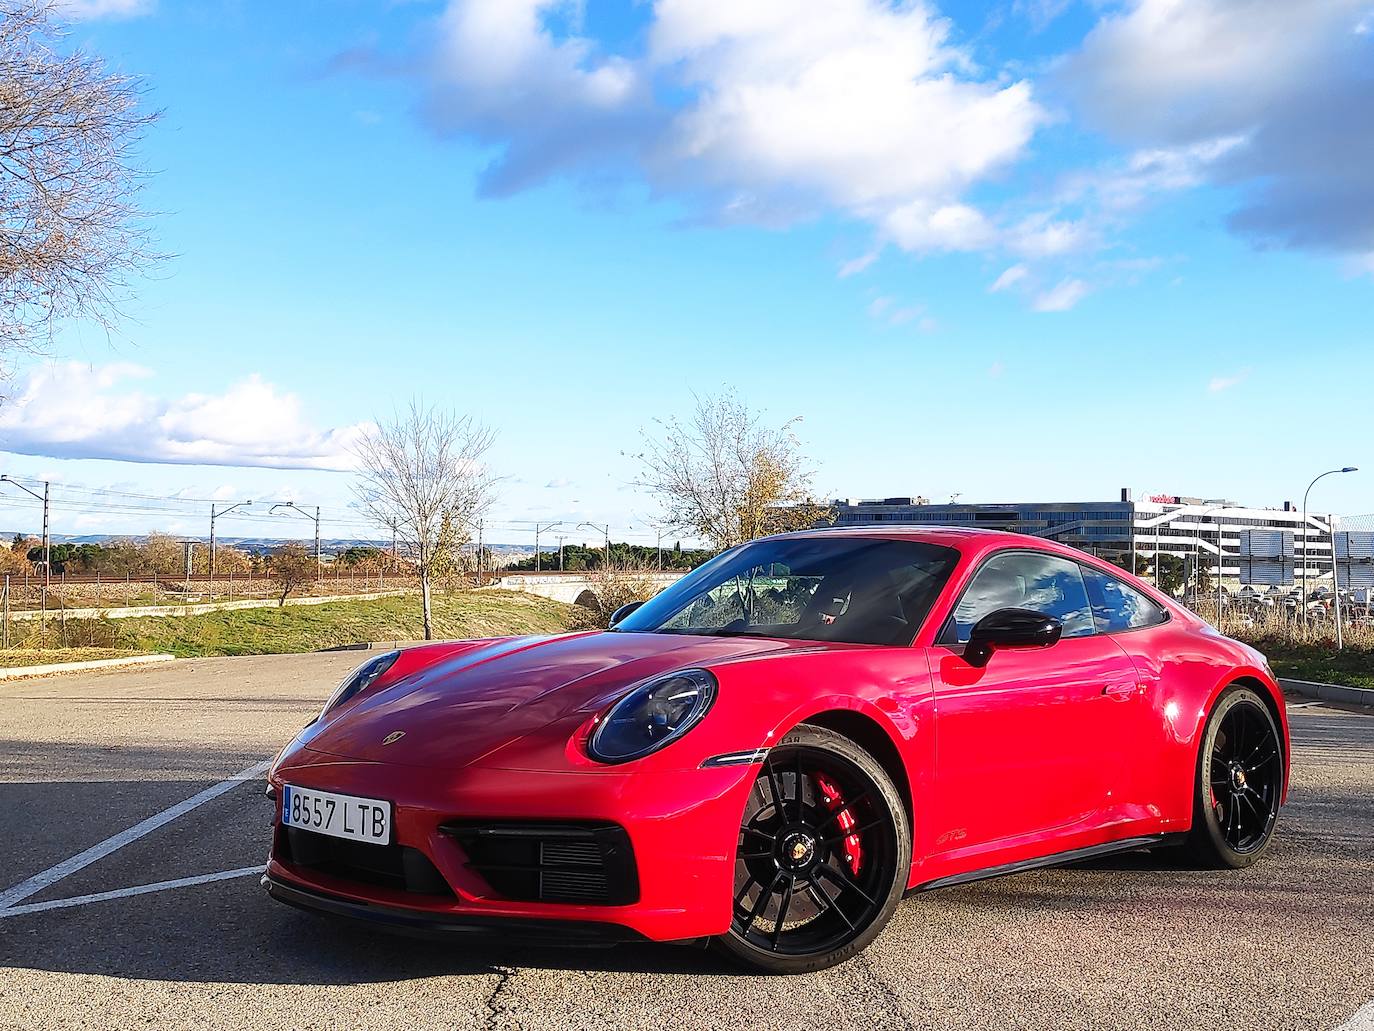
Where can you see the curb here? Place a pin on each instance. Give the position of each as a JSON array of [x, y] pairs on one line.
[[202, 608], [1329, 692], [16, 672]]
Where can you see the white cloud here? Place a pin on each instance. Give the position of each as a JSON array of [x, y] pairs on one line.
[[771, 114], [887, 311], [853, 104], [1219, 383], [1042, 235], [500, 74], [1009, 278], [921, 226], [1063, 296], [1040, 13], [1362, 265], [1122, 186], [1193, 69], [854, 266], [1172, 78], [996, 370], [73, 410]]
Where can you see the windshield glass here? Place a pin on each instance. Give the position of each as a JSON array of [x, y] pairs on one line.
[[851, 589]]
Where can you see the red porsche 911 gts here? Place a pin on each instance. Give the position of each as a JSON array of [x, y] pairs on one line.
[[768, 754]]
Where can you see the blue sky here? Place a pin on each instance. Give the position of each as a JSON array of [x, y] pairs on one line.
[[1034, 250]]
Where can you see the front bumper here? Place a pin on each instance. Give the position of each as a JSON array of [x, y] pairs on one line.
[[451, 926], [683, 826]]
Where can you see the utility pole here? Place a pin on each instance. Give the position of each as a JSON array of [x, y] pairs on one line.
[[561, 539], [1336, 582], [1302, 600], [1219, 526], [319, 561], [537, 531], [47, 547], [213, 516], [606, 529]]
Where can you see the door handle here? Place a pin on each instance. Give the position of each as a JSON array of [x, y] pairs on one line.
[[1119, 690]]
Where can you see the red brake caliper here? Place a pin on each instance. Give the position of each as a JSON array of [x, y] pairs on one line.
[[834, 801]]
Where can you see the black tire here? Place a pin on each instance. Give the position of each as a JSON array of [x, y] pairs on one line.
[[826, 830], [1238, 783]]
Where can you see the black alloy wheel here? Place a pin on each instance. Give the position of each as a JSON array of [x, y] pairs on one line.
[[824, 853], [1240, 782]]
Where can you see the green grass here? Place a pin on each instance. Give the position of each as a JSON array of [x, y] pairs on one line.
[[1352, 667], [304, 628]]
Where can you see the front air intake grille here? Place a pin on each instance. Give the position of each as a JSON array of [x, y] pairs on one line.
[[590, 864], [385, 866]]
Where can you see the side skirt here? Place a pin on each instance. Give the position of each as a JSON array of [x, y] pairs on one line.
[[1055, 859]]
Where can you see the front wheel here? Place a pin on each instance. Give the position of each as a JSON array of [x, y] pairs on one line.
[[1239, 782], [824, 853]]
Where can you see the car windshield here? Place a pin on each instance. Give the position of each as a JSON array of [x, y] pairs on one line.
[[850, 589]]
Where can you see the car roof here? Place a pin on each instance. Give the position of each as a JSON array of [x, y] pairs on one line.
[[913, 532], [970, 540]]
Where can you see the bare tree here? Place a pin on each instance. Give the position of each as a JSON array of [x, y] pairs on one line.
[[71, 233], [424, 466], [728, 477], [292, 567]]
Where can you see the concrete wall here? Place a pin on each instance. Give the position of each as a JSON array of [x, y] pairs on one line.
[[568, 587]]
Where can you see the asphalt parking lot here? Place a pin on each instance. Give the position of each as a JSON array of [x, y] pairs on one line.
[[1133, 943]]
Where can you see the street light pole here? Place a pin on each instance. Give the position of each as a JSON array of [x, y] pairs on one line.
[[319, 560], [1302, 600], [213, 516], [47, 548], [606, 529], [537, 531]]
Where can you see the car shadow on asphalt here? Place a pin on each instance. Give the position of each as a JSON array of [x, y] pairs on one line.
[[231, 933]]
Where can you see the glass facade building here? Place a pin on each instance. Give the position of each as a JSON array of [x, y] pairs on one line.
[[1193, 529]]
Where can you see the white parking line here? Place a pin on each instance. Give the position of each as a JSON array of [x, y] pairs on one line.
[[1363, 1020], [81, 860], [119, 893]]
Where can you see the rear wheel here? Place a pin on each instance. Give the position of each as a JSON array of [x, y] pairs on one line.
[[1239, 782], [823, 856]]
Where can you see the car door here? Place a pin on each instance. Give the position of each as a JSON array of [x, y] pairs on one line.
[[1026, 744]]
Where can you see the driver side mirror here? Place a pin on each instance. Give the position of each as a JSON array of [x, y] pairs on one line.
[[624, 611], [1010, 628]]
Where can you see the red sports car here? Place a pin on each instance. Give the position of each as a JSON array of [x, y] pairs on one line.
[[768, 754]]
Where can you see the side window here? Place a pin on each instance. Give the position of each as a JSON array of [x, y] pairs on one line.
[[1118, 606], [1023, 580]]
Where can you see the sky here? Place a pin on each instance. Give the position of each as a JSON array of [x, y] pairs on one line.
[[1020, 250]]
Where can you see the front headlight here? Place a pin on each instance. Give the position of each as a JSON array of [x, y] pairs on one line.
[[652, 715], [360, 680]]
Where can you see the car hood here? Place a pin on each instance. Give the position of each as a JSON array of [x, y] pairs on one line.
[[474, 704]]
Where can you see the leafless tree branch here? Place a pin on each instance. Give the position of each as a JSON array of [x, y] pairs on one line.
[[726, 476], [71, 231], [425, 466]]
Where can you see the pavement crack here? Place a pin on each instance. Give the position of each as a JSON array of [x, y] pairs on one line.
[[889, 996], [495, 1011]]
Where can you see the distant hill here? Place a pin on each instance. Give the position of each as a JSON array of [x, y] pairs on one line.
[[258, 545]]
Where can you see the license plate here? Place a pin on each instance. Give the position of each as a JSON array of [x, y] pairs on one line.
[[339, 816]]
